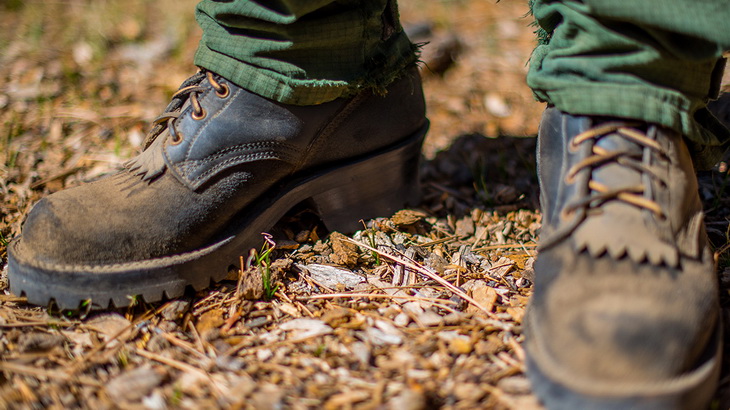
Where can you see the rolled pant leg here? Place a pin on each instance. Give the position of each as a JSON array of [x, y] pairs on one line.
[[303, 52], [658, 61]]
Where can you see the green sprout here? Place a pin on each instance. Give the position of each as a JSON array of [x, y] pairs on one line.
[[262, 260], [374, 245]]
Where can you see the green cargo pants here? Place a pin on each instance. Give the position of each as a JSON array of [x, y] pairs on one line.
[[652, 60], [303, 52]]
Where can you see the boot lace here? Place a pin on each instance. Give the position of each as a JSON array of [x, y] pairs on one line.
[[188, 90], [638, 195]]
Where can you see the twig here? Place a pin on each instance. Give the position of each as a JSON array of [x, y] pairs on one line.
[[435, 277], [375, 295], [434, 301], [44, 324], [45, 373], [184, 345], [305, 309], [505, 246]]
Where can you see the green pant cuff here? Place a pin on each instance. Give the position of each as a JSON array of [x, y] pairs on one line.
[[288, 90]]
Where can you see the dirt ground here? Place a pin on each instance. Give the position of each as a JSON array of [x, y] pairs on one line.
[[369, 320]]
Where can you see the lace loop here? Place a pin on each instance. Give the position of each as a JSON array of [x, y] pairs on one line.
[[632, 195], [636, 195], [188, 90]]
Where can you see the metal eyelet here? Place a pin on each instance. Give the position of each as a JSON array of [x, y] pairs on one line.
[[572, 146], [175, 139], [226, 91], [199, 116]]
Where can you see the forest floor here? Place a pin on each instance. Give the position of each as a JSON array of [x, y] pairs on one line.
[[372, 319]]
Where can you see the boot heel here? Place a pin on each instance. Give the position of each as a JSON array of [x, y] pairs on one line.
[[375, 187]]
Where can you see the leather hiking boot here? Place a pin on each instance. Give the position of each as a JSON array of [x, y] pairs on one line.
[[221, 166], [625, 311]]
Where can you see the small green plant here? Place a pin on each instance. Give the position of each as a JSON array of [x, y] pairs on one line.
[[321, 348], [371, 239], [262, 260], [3, 241], [123, 358], [176, 397], [133, 300]]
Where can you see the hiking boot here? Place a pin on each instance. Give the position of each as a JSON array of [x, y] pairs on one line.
[[625, 307], [221, 166]]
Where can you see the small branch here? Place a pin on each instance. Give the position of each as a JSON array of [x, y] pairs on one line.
[[435, 277]]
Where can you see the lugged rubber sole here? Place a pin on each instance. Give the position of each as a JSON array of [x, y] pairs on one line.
[[368, 187]]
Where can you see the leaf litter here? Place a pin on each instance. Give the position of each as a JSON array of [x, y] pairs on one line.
[[421, 309]]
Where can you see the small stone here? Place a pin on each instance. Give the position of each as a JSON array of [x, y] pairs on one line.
[[154, 401], [461, 345], [331, 276], [380, 338], [402, 319], [230, 363], [175, 310], [305, 328], [468, 391], [430, 318], [409, 399], [38, 341], [453, 318], [134, 384], [264, 355], [110, 325], [361, 352]]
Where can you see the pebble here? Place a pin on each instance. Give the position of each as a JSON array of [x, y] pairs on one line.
[[264, 354], [468, 391], [154, 401], [331, 276], [175, 310], [361, 352], [134, 384], [380, 338], [430, 318], [306, 328], [402, 319], [409, 399]]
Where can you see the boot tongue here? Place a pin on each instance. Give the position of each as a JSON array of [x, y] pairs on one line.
[[612, 174], [616, 220]]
